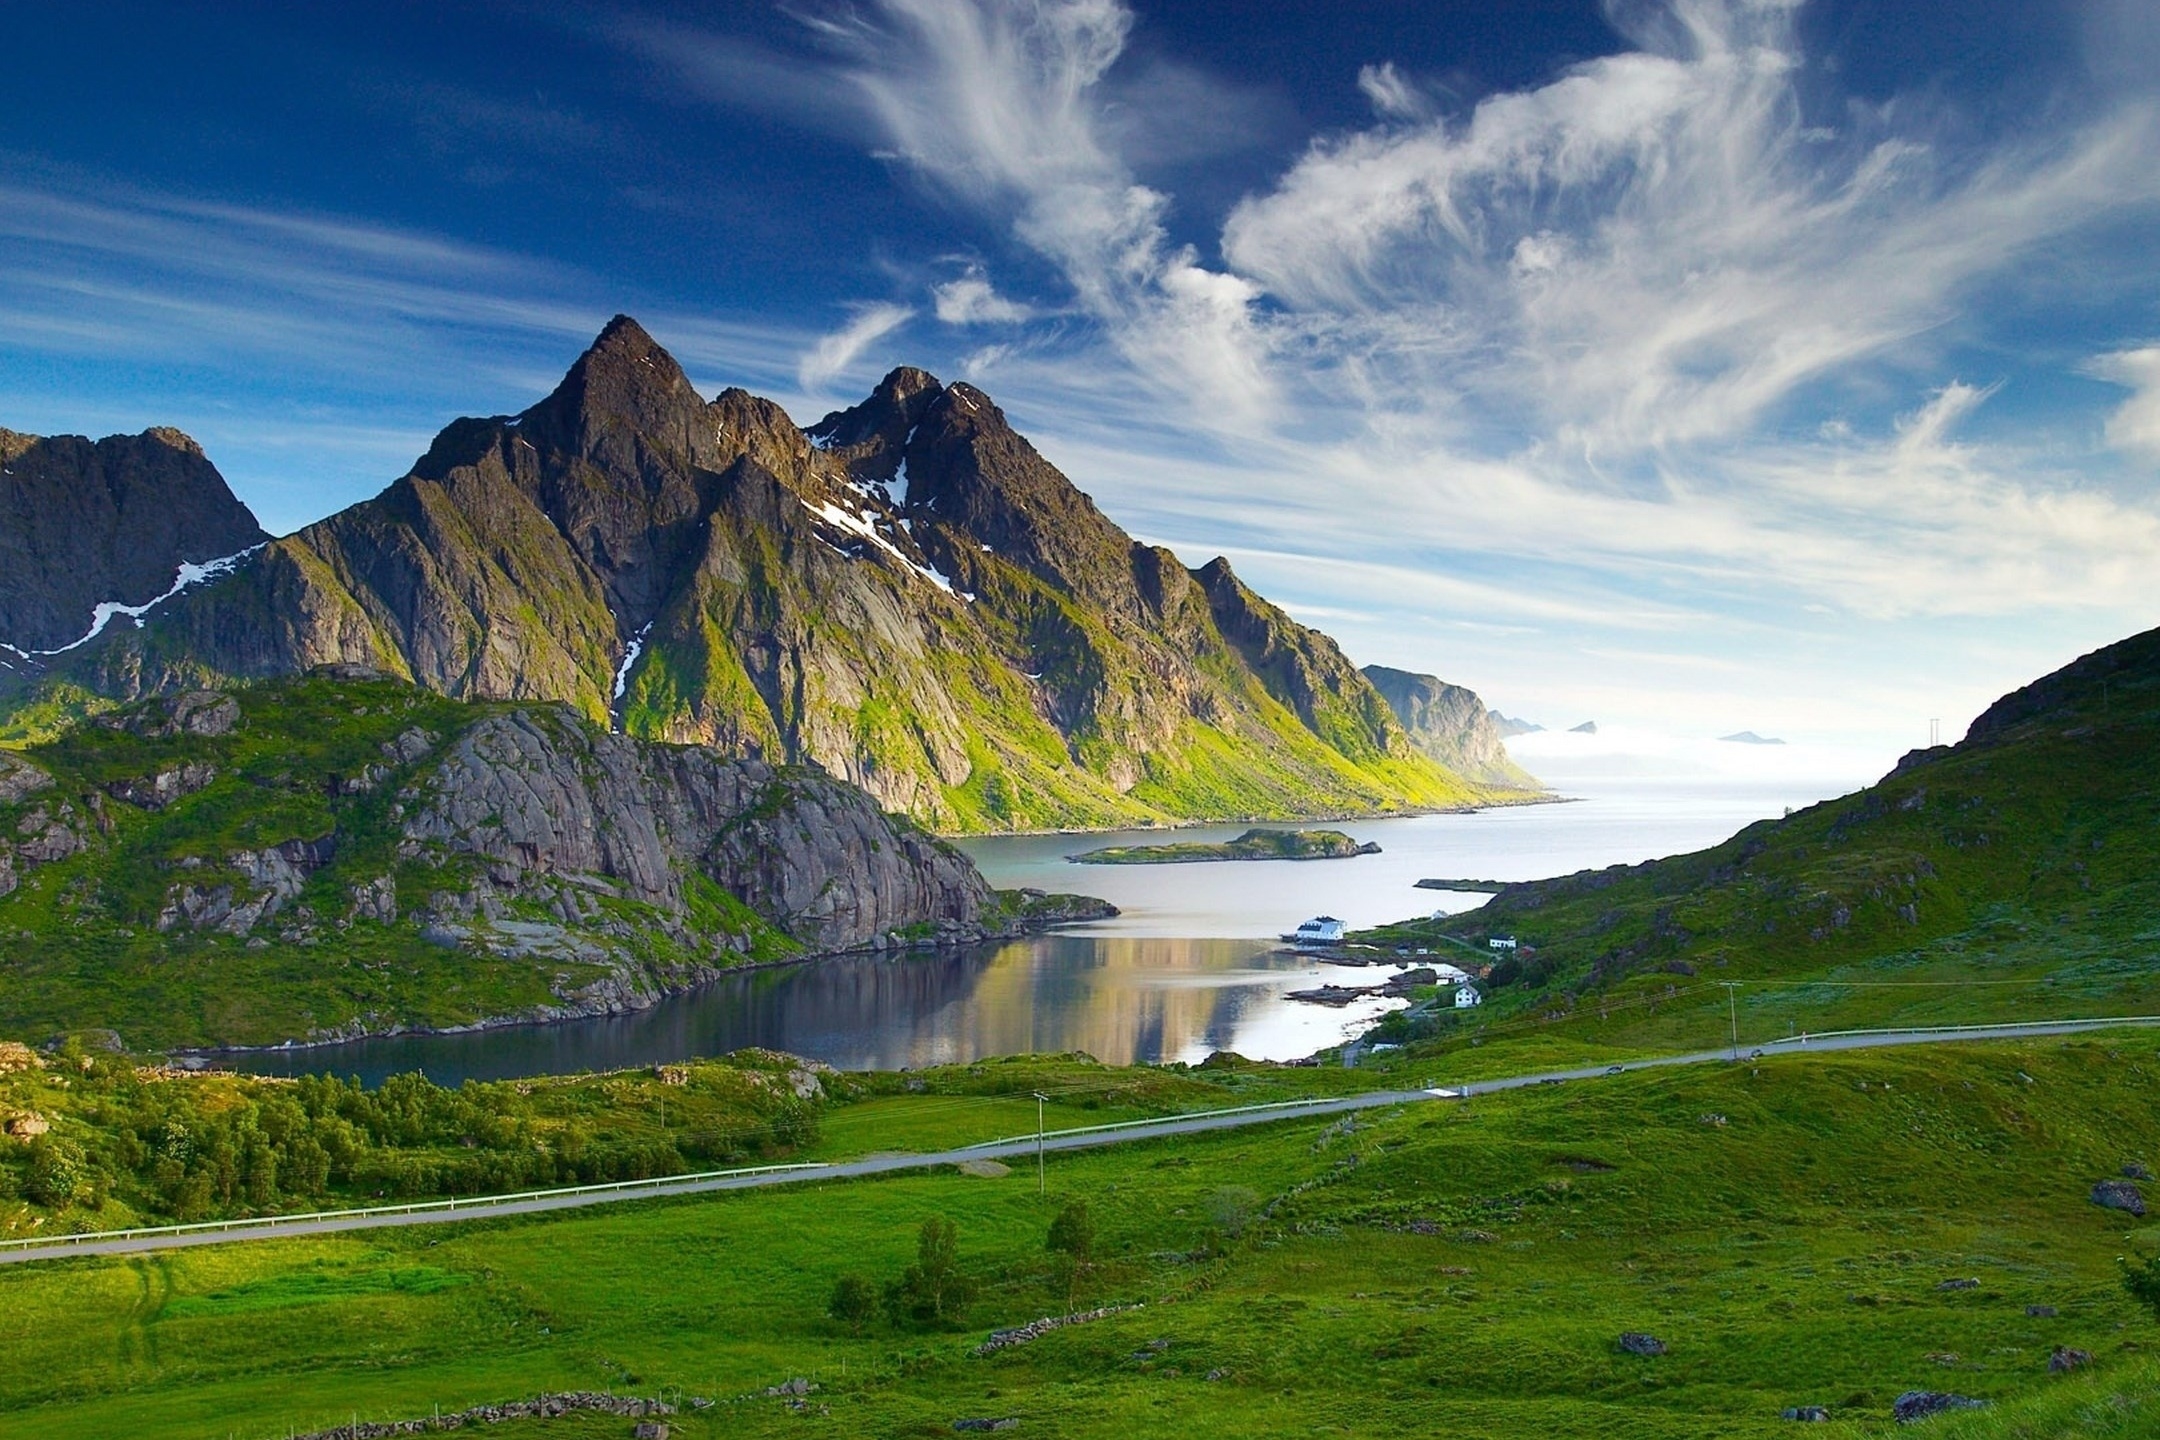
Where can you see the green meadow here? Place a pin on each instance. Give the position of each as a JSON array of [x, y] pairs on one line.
[[1786, 1228]]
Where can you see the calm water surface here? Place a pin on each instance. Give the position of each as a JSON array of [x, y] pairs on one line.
[[1188, 968]]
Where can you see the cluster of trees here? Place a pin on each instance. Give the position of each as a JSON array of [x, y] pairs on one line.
[[934, 1292], [195, 1149]]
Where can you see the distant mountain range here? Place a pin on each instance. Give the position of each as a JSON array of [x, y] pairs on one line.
[[905, 593], [1749, 737], [1451, 725]]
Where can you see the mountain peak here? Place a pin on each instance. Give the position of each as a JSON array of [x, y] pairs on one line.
[[624, 379], [875, 433]]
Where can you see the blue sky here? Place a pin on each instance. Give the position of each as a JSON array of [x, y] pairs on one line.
[[1694, 365]]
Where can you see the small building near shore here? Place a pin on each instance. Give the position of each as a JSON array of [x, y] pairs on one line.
[[1320, 930]]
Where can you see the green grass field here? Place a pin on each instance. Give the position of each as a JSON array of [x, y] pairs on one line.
[[1440, 1270]]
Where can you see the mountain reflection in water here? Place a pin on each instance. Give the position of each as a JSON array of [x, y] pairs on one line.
[[1123, 1001]]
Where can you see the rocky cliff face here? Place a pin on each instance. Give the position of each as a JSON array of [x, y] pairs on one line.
[[1451, 725], [906, 594], [348, 823], [82, 524]]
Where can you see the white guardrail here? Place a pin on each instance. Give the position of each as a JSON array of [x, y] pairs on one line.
[[2025, 1026], [1286, 1105], [417, 1207], [483, 1203]]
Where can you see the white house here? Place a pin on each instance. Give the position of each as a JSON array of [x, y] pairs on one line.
[[1467, 996], [1501, 942], [1320, 930]]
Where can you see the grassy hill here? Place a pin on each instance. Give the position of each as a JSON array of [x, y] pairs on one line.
[[333, 854], [2014, 875], [1786, 1229]]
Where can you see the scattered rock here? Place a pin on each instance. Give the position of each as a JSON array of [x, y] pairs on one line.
[[1946, 1357], [376, 900], [1811, 1414], [28, 1125], [1218, 1374], [1037, 1328], [1919, 1404], [1715, 1120], [19, 778], [2119, 1195], [796, 1386], [409, 746], [650, 1430], [984, 1169], [1637, 1343], [1003, 1423], [544, 1407], [1958, 1285], [2040, 1312], [2064, 1359], [2132, 1170], [15, 1056], [193, 712]]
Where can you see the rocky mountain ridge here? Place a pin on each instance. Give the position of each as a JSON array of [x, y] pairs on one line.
[[906, 594], [84, 524], [1452, 725]]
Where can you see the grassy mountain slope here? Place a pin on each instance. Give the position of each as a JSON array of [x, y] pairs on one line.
[[2016, 873], [907, 594], [1439, 1271], [335, 855]]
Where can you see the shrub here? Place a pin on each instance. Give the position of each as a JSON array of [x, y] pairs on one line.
[[854, 1303], [932, 1291]]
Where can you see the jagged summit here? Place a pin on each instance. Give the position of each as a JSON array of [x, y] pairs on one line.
[[85, 524], [906, 593]]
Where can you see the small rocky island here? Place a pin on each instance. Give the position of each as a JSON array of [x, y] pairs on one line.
[[1256, 844]]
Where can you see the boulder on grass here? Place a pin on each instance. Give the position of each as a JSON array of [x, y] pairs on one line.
[[2119, 1195], [1637, 1343], [1919, 1404]]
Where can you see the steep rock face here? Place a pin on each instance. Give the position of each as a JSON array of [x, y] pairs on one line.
[[906, 594], [1450, 724], [546, 799], [82, 523]]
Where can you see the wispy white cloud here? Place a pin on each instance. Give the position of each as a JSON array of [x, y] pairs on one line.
[[1001, 105], [2134, 427], [973, 300], [833, 353]]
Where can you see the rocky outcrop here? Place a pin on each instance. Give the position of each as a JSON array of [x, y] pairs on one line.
[[550, 802], [1920, 1404], [1450, 724], [906, 594], [159, 789], [2119, 1195], [83, 523], [19, 779]]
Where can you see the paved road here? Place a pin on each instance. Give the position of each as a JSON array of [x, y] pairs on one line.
[[1025, 1148]]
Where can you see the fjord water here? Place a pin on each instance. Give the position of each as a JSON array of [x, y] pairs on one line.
[[1190, 967]]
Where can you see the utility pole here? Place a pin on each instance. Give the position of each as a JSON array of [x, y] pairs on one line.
[[1042, 1181], [1732, 1006]]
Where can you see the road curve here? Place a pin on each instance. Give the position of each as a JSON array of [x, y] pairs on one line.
[[1024, 1148]]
